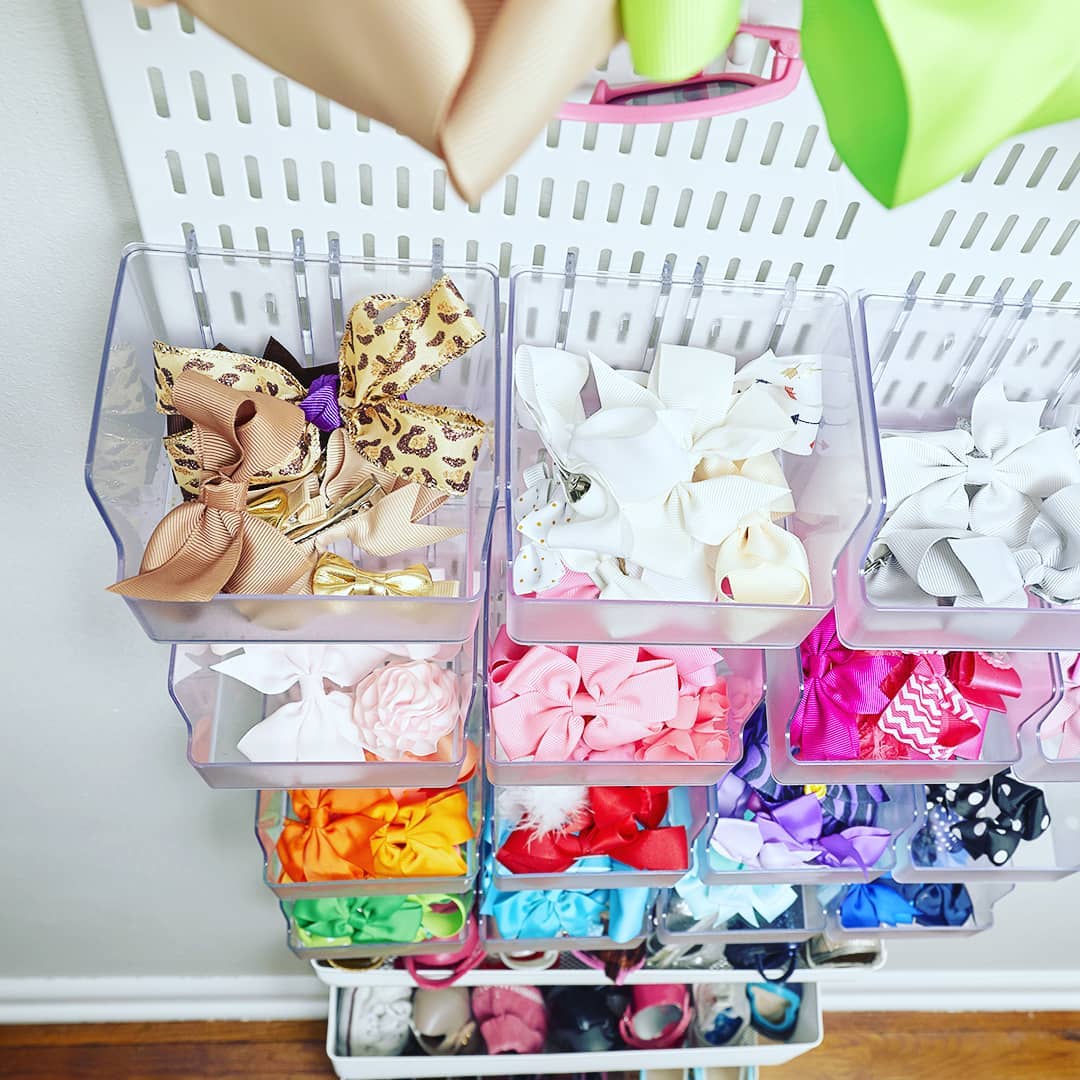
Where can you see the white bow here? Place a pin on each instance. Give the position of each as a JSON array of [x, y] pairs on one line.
[[538, 509], [1007, 457], [319, 726], [1050, 560], [664, 452]]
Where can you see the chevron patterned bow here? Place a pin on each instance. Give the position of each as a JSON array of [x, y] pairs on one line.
[[928, 713], [1007, 459], [380, 361]]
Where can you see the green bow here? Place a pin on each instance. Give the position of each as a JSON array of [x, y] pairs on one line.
[[357, 920]]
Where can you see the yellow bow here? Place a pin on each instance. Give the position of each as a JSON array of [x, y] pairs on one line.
[[335, 576], [379, 361]]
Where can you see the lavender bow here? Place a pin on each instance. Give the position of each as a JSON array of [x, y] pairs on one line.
[[321, 404]]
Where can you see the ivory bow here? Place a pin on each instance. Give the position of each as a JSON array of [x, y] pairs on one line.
[[928, 713], [1008, 459], [212, 544], [666, 456], [1064, 719], [380, 361], [319, 726], [551, 706]]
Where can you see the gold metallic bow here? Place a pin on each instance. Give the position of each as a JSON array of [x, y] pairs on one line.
[[212, 544], [335, 576], [379, 361]]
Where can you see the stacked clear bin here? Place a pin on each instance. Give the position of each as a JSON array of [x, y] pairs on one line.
[[200, 298]]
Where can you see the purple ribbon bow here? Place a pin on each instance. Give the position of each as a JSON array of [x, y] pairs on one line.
[[321, 404], [839, 685], [790, 835]]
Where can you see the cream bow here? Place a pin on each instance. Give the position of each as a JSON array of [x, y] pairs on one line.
[[1008, 459]]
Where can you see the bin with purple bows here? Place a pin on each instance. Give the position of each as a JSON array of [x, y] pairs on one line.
[[851, 716], [998, 830], [888, 909], [684, 460], [976, 544]]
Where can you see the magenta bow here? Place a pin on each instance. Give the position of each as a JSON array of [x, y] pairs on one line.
[[789, 835], [927, 712], [1064, 720], [838, 685], [559, 704]]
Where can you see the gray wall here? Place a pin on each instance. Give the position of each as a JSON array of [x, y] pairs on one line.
[[115, 858]]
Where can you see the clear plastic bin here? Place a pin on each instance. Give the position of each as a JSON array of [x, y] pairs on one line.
[[1048, 749], [219, 710], [744, 670], [496, 944], [928, 357], [686, 807], [1055, 854], [1001, 748], [270, 812], [431, 947], [240, 299], [807, 920], [900, 814], [622, 319], [983, 898]]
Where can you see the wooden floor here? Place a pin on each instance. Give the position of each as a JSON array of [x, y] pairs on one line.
[[858, 1046]]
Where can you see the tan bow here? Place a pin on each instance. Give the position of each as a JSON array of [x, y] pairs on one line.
[[212, 544]]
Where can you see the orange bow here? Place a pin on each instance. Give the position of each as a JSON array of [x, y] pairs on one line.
[[351, 834], [212, 544]]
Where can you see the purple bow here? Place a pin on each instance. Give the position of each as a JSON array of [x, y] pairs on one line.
[[321, 404], [790, 835], [838, 686]]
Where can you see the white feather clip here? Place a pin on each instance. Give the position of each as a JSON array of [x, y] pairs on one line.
[[543, 810]]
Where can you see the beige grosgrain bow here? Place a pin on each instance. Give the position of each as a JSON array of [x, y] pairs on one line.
[[472, 81], [379, 361], [212, 544]]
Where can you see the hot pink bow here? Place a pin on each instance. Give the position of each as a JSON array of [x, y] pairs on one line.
[[556, 704], [1064, 720], [927, 711], [838, 685]]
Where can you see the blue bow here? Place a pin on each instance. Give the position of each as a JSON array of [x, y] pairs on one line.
[[875, 904], [938, 904], [577, 913]]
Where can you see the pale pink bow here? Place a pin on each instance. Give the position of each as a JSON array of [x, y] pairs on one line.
[[1064, 720], [555, 704]]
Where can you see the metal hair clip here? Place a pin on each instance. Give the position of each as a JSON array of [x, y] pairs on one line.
[[363, 497]]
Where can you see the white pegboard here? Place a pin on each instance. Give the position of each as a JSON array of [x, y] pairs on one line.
[[214, 140]]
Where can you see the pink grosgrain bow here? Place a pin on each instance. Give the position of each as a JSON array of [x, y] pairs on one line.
[[1064, 720], [838, 685], [560, 704], [927, 711]]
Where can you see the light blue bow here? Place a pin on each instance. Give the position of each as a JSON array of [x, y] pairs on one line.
[[576, 913], [759, 905]]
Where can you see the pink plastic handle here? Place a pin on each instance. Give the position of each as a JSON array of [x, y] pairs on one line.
[[786, 69]]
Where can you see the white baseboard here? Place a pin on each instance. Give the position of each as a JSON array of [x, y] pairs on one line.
[[119, 999]]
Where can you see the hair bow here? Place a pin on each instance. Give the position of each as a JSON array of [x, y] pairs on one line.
[[936, 844], [330, 836], [343, 920], [335, 576], [381, 361], [353, 834], [212, 544], [875, 903], [319, 726], [666, 462], [937, 904], [1050, 558], [1007, 459], [550, 705], [1064, 719], [790, 834], [715, 905], [838, 685], [618, 914], [1021, 815], [623, 823], [927, 711], [538, 566]]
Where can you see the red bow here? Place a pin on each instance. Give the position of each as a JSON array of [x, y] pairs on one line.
[[983, 679], [624, 823]]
